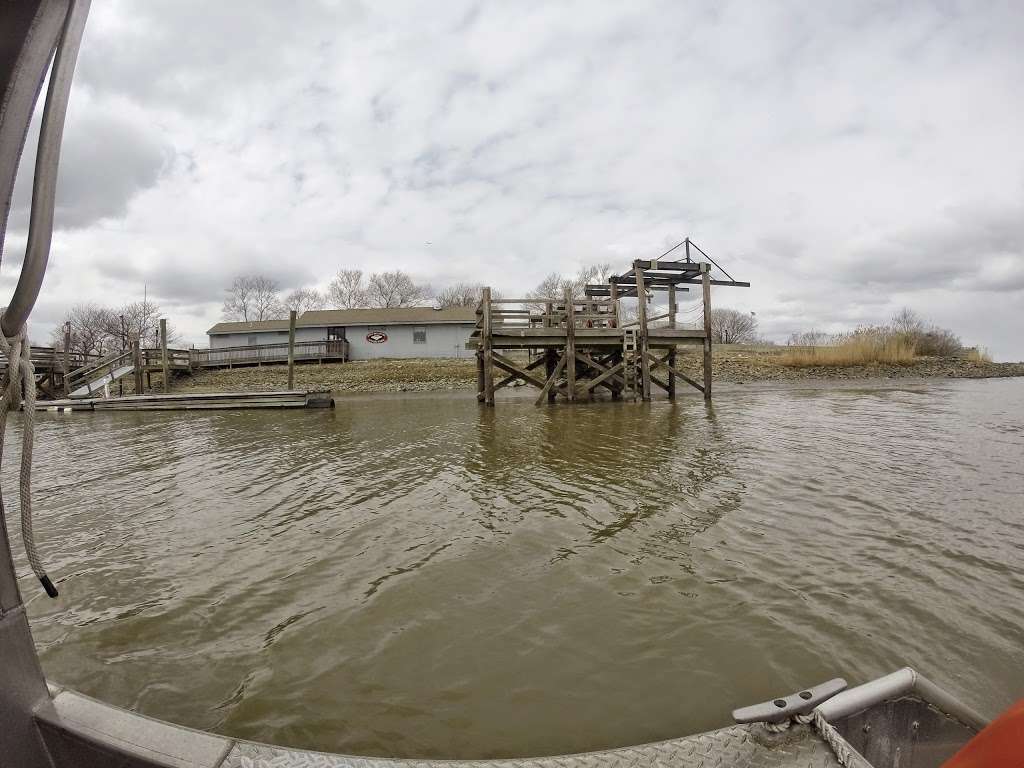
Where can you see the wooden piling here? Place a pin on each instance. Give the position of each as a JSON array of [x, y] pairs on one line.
[[137, 362], [485, 335], [291, 349], [641, 336], [672, 352], [67, 359], [164, 364], [570, 345], [705, 270]]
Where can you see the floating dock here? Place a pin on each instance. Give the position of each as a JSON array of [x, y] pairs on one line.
[[298, 398]]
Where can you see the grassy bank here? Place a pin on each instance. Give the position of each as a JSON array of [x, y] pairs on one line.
[[731, 364], [358, 376]]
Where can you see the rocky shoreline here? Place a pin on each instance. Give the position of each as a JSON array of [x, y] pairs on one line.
[[460, 374]]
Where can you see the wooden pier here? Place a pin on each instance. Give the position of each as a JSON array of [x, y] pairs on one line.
[[577, 345]]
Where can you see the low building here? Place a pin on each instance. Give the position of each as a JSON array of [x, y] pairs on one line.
[[370, 333]]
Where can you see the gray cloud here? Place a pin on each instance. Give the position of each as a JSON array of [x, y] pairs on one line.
[[846, 159], [105, 161]]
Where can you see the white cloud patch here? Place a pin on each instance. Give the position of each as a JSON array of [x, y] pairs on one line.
[[846, 160]]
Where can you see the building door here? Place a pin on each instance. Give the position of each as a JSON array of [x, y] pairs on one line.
[[336, 341]]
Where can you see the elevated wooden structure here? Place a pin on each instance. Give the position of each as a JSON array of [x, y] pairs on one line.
[[576, 345]]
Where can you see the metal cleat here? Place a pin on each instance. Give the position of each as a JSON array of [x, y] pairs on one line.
[[787, 707]]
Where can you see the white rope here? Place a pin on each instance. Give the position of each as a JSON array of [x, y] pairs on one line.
[[845, 754], [19, 381]]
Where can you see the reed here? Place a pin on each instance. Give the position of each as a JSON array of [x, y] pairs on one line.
[[857, 349], [977, 355]]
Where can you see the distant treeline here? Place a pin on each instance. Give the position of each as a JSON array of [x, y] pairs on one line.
[[92, 329], [258, 297]]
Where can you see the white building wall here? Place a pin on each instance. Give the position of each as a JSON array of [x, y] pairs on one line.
[[443, 340]]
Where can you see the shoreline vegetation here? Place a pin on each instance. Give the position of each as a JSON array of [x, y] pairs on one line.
[[738, 364]]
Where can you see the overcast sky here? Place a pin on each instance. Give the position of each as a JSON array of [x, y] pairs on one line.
[[846, 158]]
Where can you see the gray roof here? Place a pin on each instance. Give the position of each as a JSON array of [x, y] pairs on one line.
[[254, 326], [326, 317]]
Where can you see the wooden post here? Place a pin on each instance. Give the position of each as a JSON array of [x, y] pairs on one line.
[[163, 355], [705, 270], [613, 294], [645, 364], [672, 350], [479, 355], [136, 350], [550, 356], [486, 340], [570, 344], [291, 349], [67, 360]]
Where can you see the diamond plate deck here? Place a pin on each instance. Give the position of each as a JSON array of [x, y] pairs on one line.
[[740, 746]]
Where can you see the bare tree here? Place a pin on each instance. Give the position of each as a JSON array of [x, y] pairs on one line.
[[90, 324], [394, 289], [602, 272], [811, 338], [908, 322], [252, 297], [346, 290], [304, 299], [137, 320], [551, 287], [461, 295], [731, 327]]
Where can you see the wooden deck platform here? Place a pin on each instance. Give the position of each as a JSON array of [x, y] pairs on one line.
[[579, 344], [297, 398]]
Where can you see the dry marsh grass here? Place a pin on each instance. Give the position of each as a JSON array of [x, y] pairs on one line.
[[977, 355], [857, 350]]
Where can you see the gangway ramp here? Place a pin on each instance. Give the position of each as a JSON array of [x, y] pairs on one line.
[[93, 377]]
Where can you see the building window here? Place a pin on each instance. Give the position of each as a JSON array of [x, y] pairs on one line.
[[336, 333], [419, 334], [250, 341]]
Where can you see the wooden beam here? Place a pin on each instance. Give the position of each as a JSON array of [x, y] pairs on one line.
[[507, 365], [705, 274], [551, 380], [486, 340], [611, 382], [67, 352], [641, 303], [137, 362], [671, 357], [667, 363], [659, 382], [570, 344], [667, 266], [165, 368], [733, 283], [608, 374]]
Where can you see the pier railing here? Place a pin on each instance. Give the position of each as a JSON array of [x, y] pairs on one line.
[[536, 312], [225, 357], [50, 358]]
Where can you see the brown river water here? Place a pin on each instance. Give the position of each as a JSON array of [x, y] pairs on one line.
[[418, 576]]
